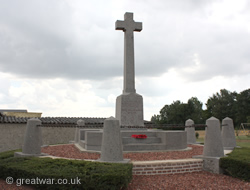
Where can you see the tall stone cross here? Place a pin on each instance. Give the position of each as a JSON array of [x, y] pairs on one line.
[[129, 26]]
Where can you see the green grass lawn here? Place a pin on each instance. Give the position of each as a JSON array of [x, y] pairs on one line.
[[242, 137], [242, 141], [200, 140]]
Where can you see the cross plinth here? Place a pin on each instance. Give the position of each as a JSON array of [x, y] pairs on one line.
[[129, 26]]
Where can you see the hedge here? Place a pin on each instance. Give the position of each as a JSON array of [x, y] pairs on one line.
[[237, 164], [92, 175]]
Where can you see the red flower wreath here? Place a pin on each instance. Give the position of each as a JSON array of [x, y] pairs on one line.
[[139, 136]]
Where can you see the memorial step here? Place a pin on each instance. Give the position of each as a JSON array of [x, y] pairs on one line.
[[148, 140], [143, 147], [82, 143], [130, 133]]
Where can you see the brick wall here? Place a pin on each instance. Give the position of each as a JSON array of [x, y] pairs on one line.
[[167, 167]]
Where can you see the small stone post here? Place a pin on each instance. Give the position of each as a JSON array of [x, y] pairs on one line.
[[213, 149], [228, 135], [32, 139], [213, 143], [111, 149], [80, 123], [191, 138]]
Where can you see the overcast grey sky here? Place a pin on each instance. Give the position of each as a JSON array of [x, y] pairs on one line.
[[65, 58]]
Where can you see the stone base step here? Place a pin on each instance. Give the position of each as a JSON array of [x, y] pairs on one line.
[[130, 133], [143, 147], [148, 140], [82, 143]]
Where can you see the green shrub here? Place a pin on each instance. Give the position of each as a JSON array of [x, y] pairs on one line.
[[237, 164], [92, 175], [197, 135], [8, 154]]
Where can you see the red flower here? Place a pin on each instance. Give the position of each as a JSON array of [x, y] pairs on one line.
[[141, 136]]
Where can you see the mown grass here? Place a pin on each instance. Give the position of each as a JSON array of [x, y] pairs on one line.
[[243, 137], [243, 144], [241, 141]]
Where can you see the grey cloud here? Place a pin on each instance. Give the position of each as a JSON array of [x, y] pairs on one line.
[[42, 39]]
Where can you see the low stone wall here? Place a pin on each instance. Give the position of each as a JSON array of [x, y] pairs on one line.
[[12, 136], [167, 167], [57, 135]]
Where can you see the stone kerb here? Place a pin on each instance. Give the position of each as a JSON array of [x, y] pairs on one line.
[[32, 139], [191, 139], [111, 149], [227, 133]]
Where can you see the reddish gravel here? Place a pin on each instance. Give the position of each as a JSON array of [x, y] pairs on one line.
[[188, 181], [196, 181], [173, 155], [70, 151], [5, 186]]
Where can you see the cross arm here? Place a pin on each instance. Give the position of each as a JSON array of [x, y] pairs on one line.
[[138, 26], [120, 25]]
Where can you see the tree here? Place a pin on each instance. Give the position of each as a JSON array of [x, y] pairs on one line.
[[178, 112], [243, 107], [175, 113], [156, 119], [222, 105], [195, 111]]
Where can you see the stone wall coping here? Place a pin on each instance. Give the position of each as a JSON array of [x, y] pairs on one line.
[[166, 161]]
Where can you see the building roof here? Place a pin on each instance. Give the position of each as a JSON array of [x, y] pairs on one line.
[[56, 121], [14, 110], [51, 120]]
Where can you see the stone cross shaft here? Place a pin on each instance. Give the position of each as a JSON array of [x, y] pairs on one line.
[[129, 26]]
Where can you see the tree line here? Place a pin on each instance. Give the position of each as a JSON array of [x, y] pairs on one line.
[[220, 105]]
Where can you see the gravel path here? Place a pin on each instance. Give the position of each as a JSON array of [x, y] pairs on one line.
[[188, 181], [196, 181], [70, 151]]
